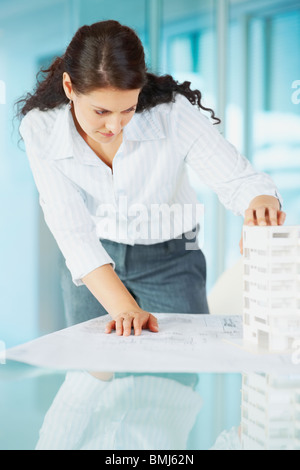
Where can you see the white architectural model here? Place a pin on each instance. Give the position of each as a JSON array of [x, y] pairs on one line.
[[271, 313], [270, 412]]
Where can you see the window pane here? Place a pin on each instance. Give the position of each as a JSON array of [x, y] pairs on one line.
[[276, 136], [262, 120], [189, 53]]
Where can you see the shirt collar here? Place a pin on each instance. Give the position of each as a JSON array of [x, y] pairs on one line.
[[65, 142], [143, 126], [60, 138]]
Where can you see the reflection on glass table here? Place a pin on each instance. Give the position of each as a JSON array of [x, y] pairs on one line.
[[43, 409], [270, 415], [121, 411], [271, 412]]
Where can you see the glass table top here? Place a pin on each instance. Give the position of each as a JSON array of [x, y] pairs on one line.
[[45, 409]]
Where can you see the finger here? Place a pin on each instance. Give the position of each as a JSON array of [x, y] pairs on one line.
[[137, 326], [110, 326], [281, 218], [261, 216], [241, 245], [153, 323], [272, 212], [249, 217], [127, 323], [119, 326]]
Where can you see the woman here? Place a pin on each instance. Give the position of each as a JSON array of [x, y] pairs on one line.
[[108, 144]]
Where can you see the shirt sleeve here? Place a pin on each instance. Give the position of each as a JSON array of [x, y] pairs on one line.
[[65, 211], [218, 163]]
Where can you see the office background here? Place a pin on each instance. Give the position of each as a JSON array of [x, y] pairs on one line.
[[244, 56]]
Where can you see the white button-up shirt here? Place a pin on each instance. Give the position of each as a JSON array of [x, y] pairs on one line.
[[147, 197]]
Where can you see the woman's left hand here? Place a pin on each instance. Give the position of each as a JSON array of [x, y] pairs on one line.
[[263, 210]]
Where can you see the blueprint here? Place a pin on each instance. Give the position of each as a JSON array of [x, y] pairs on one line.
[[184, 343]]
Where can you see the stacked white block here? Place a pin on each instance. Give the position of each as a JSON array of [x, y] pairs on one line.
[[271, 312], [270, 412]]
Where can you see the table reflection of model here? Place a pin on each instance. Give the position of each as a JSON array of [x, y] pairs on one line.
[[270, 415], [270, 412]]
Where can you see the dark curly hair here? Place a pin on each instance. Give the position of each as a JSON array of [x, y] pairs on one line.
[[101, 55]]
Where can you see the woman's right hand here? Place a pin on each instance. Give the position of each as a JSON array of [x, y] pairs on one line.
[[109, 290], [137, 319]]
